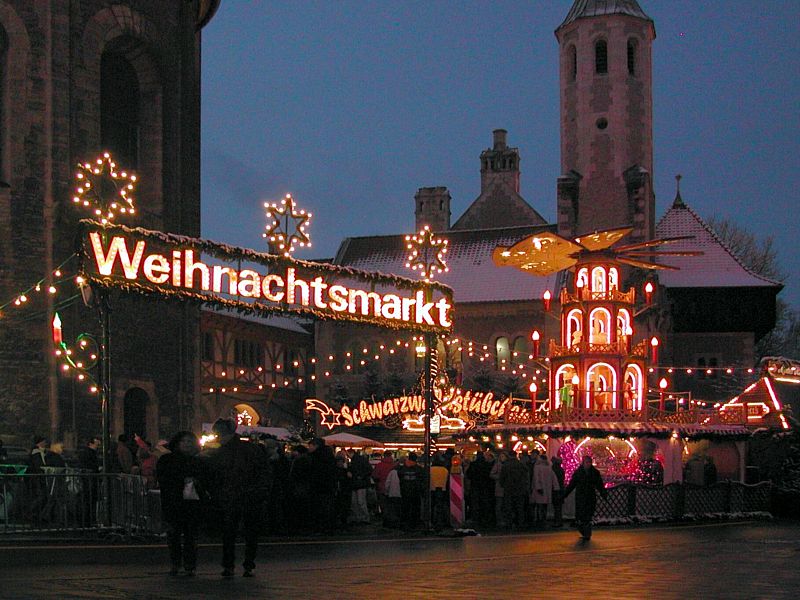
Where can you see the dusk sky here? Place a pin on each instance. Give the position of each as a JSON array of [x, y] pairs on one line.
[[353, 106]]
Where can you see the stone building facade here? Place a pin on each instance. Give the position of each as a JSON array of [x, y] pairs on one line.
[[77, 79]]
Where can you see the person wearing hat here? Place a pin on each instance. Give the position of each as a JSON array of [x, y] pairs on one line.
[[38, 457]]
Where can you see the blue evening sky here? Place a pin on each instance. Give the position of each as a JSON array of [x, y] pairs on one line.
[[353, 105]]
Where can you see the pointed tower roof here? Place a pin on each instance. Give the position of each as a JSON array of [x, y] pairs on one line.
[[596, 8]]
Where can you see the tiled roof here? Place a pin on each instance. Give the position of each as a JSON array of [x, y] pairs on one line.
[[472, 274], [596, 8], [717, 267]]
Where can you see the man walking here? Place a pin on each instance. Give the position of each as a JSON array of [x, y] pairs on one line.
[[240, 488], [587, 482]]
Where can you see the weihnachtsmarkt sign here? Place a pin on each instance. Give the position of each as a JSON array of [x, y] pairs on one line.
[[168, 265]]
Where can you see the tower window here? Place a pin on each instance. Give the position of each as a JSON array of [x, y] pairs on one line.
[[631, 57], [572, 54], [601, 57], [119, 109]]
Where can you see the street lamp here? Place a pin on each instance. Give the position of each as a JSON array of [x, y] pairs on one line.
[[427, 256]]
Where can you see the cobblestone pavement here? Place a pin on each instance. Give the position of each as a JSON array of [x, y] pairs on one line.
[[727, 560]]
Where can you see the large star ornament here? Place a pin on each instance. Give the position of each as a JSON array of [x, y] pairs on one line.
[[104, 189], [287, 225], [427, 253]]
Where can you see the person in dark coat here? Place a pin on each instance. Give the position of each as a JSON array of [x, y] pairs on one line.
[[482, 488], [299, 496], [558, 495], [239, 476], [343, 490], [323, 485], [515, 483], [587, 483], [412, 485], [180, 479]]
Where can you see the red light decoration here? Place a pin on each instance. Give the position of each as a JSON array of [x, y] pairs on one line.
[[535, 337], [648, 292], [654, 350], [57, 335], [532, 389], [547, 296]]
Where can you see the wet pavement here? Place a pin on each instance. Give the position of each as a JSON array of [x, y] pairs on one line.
[[717, 560]]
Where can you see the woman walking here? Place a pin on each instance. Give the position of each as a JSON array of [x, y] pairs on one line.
[[179, 477]]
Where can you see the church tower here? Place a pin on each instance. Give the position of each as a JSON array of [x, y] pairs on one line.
[[606, 119]]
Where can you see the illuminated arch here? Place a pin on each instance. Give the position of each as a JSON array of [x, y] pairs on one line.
[[599, 326], [502, 351], [603, 374], [623, 322], [574, 319], [613, 279], [583, 277], [562, 377], [599, 279], [634, 375]]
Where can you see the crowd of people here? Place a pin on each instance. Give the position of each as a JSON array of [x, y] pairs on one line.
[[262, 485]]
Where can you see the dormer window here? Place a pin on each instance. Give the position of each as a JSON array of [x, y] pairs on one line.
[[601, 57]]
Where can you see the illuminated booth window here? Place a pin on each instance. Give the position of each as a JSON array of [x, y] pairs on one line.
[[574, 332], [601, 386], [599, 322], [598, 279]]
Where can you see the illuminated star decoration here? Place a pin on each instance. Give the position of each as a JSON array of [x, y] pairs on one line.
[[288, 226], [104, 189], [427, 253]]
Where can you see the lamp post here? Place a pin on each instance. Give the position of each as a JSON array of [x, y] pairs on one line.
[[108, 192], [427, 257]]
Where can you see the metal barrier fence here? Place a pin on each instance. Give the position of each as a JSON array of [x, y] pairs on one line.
[[67, 501], [677, 501], [73, 502]]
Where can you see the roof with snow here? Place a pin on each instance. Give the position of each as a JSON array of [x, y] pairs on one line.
[[472, 273], [718, 267], [597, 8]]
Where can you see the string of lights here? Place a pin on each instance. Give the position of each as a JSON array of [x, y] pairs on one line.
[[22, 298]]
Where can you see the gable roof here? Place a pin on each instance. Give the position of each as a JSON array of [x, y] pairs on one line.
[[717, 267], [498, 206], [596, 8], [472, 274]]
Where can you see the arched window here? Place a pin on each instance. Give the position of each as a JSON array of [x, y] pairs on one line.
[[601, 57], [572, 57], [599, 323], [521, 350], [574, 332], [634, 388], [601, 388], [631, 56], [613, 279], [503, 352], [583, 278], [623, 323], [563, 376], [119, 109], [598, 279], [3, 85]]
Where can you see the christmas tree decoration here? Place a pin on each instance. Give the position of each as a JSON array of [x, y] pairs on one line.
[[287, 225], [104, 189], [427, 253]]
